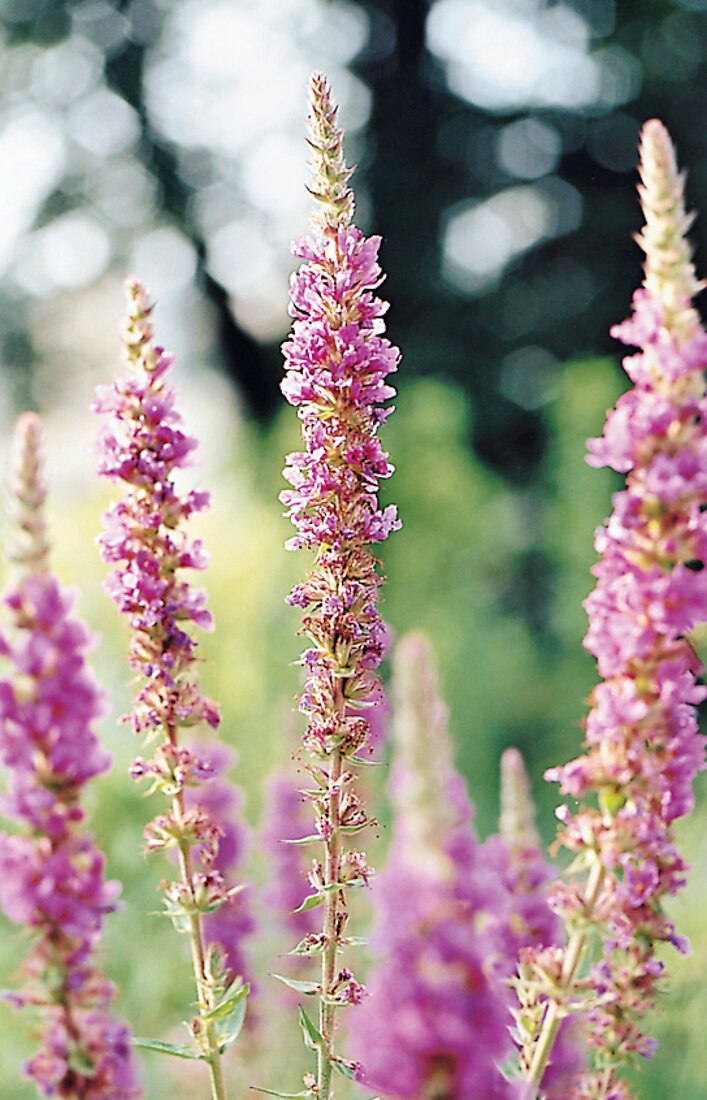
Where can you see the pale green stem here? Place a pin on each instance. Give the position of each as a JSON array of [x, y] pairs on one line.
[[198, 954], [555, 1012], [332, 868]]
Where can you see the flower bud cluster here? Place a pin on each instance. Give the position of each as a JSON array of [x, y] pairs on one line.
[[52, 874], [143, 445], [337, 361]]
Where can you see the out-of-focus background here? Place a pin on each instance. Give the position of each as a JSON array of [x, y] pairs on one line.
[[496, 151]]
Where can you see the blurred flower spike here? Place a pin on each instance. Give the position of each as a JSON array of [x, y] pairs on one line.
[[451, 918], [52, 874]]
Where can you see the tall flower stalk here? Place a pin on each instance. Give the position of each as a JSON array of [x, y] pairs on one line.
[[643, 748], [143, 445], [52, 874], [337, 361]]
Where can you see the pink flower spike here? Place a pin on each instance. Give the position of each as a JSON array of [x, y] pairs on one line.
[[337, 362], [642, 739], [143, 444], [451, 917], [52, 874]]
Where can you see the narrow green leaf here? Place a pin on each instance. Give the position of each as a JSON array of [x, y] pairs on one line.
[[310, 988], [313, 1040], [310, 902], [176, 914], [233, 996], [346, 1069], [349, 829], [228, 1029], [314, 837], [354, 941], [306, 948], [178, 1050], [366, 763], [335, 886], [285, 1095]]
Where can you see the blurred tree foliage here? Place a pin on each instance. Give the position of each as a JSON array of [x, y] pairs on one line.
[[426, 150], [431, 149]]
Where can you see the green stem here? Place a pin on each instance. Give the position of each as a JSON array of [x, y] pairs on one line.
[[198, 954], [332, 868], [555, 1012]]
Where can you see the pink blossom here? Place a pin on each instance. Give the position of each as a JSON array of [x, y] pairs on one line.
[[143, 445], [337, 362], [643, 744], [52, 875], [450, 918]]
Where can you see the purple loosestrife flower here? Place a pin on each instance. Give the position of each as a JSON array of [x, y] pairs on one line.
[[435, 1023], [337, 361], [643, 748], [516, 852], [52, 875], [451, 916], [287, 818], [143, 445]]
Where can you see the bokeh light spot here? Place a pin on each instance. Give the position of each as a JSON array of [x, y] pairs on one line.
[[613, 142], [530, 377], [64, 73], [70, 252], [103, 123], [528, 149], [165, 260], [480, 239], [32, 142]]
